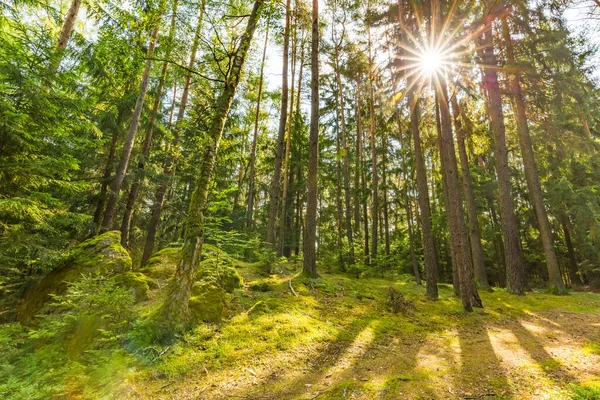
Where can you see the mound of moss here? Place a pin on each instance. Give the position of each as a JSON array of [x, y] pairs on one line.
[[163, 263], [103, 254]]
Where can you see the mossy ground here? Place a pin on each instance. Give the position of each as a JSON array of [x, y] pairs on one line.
[[335, 338]]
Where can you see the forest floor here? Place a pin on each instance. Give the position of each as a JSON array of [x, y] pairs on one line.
[[336, 338]]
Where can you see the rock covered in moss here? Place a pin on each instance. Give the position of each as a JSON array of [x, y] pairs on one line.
[[103, 254], [162, 264], [138, 283], [209, 306], [224, 277]]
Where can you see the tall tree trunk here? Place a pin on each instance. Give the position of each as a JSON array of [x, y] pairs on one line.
[[365, 202], [310, 231], [171, 161], [175, 309], [346, 169], [430, 253], [276, 183], [338, 201], [375, 178], [531, 171], [251, 175], [117, 182], [139, 173], [288, 148], [515, 273], [63, 39], [68, 24], [574, 267], [357, 163], [445, 197], [108, 168], [386, 221], [474, 233], [456, 223]]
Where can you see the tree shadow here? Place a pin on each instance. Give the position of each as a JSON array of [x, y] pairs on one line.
[[481, 372]]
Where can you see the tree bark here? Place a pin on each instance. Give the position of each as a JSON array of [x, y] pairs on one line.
[[515, 275], [310, 231], [456, 223], [375, 178], [274, 195], [251, 174], [474, 233], [531, 171], [357, 163], [288, 147], [117, 182], [429, 249], [171, 161], [175, 309], [139, 173], [346, 169]]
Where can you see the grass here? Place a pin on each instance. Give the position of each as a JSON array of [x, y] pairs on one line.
[[288, 337], [337, 338]]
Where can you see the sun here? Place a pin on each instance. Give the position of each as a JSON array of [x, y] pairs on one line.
[[431, 62]]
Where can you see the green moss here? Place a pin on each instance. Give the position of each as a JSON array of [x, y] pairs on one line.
[[162, 264], [138, 283], [102, 253], [209, 306], [260, 287], [226, 278]]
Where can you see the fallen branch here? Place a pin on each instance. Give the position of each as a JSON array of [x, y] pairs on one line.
[[292, 289]]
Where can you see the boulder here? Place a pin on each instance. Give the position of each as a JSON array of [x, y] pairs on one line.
[[101, 254]]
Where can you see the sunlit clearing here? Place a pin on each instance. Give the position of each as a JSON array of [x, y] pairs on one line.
[[431, 62]]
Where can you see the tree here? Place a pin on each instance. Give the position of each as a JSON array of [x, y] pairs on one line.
[[512, 252], [115, 187], [310, 229], [531, 171], [175, 309]]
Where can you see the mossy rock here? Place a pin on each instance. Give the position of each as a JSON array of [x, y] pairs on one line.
[[102, 253], [209, 306], [226, 278], [138, 283], [162, 264]]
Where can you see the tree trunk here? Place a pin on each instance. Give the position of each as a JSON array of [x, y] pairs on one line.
[[474, 233], [357, 163], [145, 153], [456, 223], [574, 267], [108, 167], [276, 183], [250, 212], [531, 171], [429, 249], [515, 275], [310, 231], [175, 309], [346, 169], [288, 147], [338, 201], [375, 179], [117, 182], [170, 163], [445, 196]]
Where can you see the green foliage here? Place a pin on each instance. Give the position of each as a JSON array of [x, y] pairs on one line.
[[73, 346]]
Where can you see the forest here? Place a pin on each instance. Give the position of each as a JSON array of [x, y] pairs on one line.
[[335, 199]]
